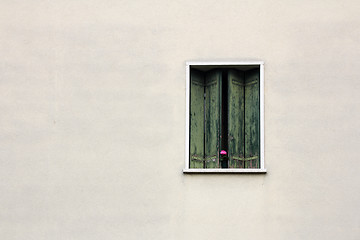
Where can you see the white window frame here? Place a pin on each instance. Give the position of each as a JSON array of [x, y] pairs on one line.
[[262, 168]]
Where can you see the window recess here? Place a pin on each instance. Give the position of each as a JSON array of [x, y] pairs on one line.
[[225, 117]]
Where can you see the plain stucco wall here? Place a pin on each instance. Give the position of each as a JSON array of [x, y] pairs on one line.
[[92, 120]]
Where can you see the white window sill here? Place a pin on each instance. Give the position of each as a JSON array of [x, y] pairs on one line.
[[217, 170]]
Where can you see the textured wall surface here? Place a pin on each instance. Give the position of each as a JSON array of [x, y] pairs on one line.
[[92, 120]]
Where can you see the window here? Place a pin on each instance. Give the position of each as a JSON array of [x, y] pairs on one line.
[[224, 117]]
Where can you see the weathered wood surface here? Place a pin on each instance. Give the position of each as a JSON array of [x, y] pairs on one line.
[[236, 131], [212, 118], [197, 119], [252, 118]]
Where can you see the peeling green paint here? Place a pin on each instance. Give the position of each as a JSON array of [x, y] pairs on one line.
[[236, 118], [252, 118], [212, 117], [196, 119]]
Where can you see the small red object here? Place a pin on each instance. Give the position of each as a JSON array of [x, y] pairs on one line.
[[223, 152]]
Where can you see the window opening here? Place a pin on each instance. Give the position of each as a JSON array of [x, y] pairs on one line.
[[225, 117]]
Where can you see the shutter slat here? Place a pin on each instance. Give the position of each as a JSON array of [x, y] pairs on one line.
[[212, 118], [197, 119], [236, 119], [252, 118]]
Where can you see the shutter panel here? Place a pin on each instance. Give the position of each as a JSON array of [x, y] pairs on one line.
[[236, 131], [196, 119], [212, 118], [252, 119]]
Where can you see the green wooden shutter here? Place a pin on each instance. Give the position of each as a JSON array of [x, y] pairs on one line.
[[252, 119], [236, 134], [212, 118], [196, 119]]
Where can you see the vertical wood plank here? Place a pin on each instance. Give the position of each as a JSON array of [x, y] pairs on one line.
[[197, 86], [252, 118], [212, 118], [236, 128]]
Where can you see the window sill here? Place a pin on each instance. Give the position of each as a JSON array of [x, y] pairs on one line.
[[217, 170]]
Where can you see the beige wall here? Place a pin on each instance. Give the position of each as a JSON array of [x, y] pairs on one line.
[[92, 120]]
